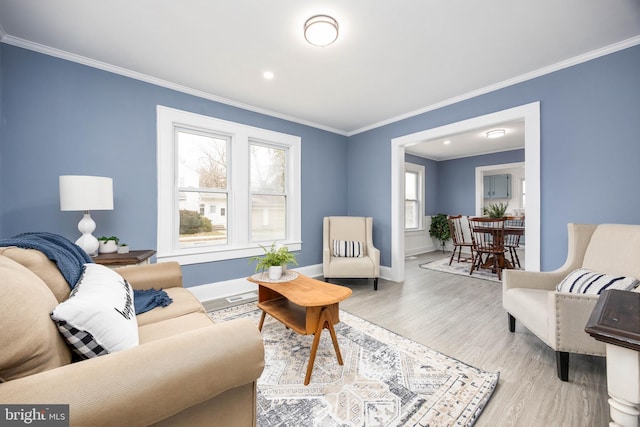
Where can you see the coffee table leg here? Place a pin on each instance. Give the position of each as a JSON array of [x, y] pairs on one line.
[[264, 313], [324, 320], [334, 338]]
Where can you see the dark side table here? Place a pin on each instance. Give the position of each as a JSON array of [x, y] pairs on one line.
[[115, 259], [615, 320]]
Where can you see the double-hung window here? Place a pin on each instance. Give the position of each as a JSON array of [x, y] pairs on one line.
[[224, 188]]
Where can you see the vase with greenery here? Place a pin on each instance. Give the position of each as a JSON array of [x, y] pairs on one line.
[[495, 210], [108, 245], [274, 260], [440, 228]]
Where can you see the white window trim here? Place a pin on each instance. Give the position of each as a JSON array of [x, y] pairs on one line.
[[420, 170], [238, 245]]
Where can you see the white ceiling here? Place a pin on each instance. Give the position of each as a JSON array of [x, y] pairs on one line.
[[471, 143], [393, 59]]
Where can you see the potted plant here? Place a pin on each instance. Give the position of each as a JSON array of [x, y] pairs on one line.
[[440, 228], [108, 245], [495, 210], [123, 248], [274, 260]]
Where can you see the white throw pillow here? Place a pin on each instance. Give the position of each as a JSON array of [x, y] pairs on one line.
[[583, 281], [348, 248], [98, 317]]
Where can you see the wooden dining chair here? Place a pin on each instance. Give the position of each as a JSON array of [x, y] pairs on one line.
[[457, 236], [487, 235], [512, 240]]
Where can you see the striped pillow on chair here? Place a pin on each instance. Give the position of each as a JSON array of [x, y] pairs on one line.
[[348, 248], [583, 281]]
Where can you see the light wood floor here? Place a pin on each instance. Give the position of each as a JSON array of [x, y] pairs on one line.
[[463, 317]]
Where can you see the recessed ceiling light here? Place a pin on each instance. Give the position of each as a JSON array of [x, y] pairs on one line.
[[447, 142], [268, 75], [496, 133]]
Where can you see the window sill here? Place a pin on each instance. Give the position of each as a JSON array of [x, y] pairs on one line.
[[200, 255]]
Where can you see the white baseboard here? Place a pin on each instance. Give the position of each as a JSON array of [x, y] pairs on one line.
[[227, 288]]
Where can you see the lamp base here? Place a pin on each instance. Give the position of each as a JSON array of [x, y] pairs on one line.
[[87, 241]]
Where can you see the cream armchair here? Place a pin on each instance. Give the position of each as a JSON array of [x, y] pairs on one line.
[[559, 318], [350, 229]]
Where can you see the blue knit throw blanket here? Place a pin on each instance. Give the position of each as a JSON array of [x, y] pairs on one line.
[[70, 259]]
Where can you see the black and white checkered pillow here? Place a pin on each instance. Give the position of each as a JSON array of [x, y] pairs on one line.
[[81, 342]]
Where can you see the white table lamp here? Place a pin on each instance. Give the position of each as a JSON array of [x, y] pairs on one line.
[[86, 193]]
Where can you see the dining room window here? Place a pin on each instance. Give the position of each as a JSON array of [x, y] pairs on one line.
[[413, 196]]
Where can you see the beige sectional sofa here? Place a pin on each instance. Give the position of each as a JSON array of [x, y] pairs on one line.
[[185, 371]]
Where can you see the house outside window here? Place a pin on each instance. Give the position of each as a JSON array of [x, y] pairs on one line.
[[268, 191], [209, 167], [413, 197]]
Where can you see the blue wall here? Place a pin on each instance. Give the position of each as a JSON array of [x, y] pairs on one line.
[[457, 195], [61, 118], [590, 148], [450, 185]]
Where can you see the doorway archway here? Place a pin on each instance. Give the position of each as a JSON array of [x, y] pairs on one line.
[[530, 113]]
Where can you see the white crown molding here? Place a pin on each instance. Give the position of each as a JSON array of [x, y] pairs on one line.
[[506, 83], [15, 41], [36, 47]]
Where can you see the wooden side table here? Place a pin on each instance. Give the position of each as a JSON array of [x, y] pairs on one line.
[[116, 260], [615, 320]]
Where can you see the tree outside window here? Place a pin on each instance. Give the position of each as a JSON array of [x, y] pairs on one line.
[[268, 192], [202, 174]]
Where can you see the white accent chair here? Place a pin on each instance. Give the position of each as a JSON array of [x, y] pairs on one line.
[[559, 318], [350, 228]]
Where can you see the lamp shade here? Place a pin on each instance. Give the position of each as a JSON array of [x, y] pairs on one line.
[[85, 193]]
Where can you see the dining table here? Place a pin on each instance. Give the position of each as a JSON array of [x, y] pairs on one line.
[[508, 230]]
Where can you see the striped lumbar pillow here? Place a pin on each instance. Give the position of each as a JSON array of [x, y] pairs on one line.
[[583, 281], [348, 248]]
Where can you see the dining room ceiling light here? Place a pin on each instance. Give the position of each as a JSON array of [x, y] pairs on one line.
[[321, 30], [496, 133]]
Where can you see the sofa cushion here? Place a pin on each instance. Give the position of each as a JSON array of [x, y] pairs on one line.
[[583, 281], [29, 341], [98, 318], [175, 326], [184, 302], [42, 266], [348, 248]]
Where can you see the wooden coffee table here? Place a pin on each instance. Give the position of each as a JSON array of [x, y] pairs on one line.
[[305, 305]]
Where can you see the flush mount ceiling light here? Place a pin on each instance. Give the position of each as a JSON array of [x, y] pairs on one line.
[[321, 30], [496, 133]]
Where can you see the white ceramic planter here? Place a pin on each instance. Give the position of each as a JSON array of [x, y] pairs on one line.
[[275, 272], [123, 249], [107, 247]]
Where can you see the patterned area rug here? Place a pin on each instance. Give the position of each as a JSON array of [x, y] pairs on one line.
[[461, 268], [386, 379]]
